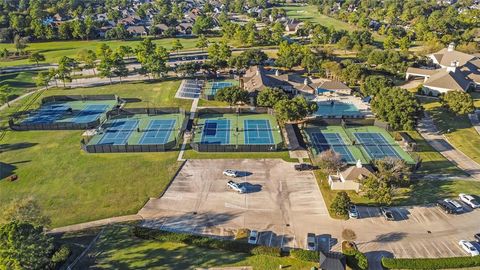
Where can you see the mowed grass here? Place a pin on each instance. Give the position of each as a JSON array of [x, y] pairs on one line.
[[72, 186], [20, 82], [456, 128], [117, 248], [54, 50], [192, 154]]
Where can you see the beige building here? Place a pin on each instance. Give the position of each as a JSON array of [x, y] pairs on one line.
[[350, 178], [453, 70]]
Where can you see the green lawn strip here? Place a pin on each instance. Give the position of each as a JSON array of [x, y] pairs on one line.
[[117, 248], [20, 82], [211, 103], [55, 50], [192, 154], [459, 132]]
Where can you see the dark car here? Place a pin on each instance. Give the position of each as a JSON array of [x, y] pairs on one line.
[[477, 237], [304, 167], [387, 213], [446, 207]]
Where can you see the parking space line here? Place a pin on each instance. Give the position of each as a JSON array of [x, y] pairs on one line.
[[416, 251], [426, 249], [448, 248], [270, 242]]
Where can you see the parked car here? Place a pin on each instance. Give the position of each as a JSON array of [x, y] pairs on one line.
[[469, 247], [387, 213], [311, 242], [231, 173], [446, 207], [303, 167], [352, 211], [253, 238], [477, 237], [456, 205], [469, 200], [236, 186]]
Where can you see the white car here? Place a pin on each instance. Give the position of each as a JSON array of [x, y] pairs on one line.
[[469, 247], [230, 173], [352, 211], [469, 200], [253, 238], [236, 186], [311, 242]]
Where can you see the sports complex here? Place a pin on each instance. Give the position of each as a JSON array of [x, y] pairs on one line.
[[211, 87], [138, 130], [364, 143]]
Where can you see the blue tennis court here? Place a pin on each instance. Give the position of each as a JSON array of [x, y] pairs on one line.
[[47, 114], [219, 85], [118, 131], [90, 113], [257, 132], [376, 145], [216, 131], [325, 141], [158, 132]]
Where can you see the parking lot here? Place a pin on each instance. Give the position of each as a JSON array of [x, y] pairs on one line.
[[281, 203]]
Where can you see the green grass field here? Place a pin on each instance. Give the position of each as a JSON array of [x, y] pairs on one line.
[[55, 50], [20, 82], [118, 249], [192, 154], [72, 186]]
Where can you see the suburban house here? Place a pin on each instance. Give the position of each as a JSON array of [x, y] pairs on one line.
[[257, 78], [137, 31], [452, 70], [350, 178], [332, 261], [292, 25]]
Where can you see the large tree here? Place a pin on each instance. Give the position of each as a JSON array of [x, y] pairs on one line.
[[374, 83], [340, 204], [294, 110], [458, 102], [5, 94], [233, 95], [36, 57], [268, 97], [398, 107]]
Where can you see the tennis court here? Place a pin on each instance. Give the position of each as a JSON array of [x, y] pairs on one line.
[[376, 145], [216, 131], [190, 89], [118, 131], [326, 141], [78, 112], [258, 132], [158, 132]]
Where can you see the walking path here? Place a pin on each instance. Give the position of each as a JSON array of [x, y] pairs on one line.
[[96, 223], [429, 131], [193, 110]]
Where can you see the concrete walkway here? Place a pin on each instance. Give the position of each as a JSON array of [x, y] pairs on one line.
[[185, 139], [429, 131], [96, 223]]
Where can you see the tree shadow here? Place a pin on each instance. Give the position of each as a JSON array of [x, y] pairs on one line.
[[389, 237], [15, 146], [8, 169]]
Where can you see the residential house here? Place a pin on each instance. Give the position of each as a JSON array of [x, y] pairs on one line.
[[137, 30], [332, 261], [292, 25], [350, 178], [452, 70], [184, 28]]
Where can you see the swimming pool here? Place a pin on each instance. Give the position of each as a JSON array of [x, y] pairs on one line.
[[336, 108]]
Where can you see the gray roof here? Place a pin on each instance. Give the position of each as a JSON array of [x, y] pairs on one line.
[[448, 80], [331, 261]]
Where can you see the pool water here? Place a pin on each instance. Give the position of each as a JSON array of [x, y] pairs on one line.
[[336, 109]]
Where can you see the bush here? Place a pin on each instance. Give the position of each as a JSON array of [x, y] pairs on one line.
[[264, 250], [433, 263], [305, 255], [356, 259], [61, 255], [242, 234]]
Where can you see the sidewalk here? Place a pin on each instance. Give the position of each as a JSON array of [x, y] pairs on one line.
[[192, 116], [429, 131], [95, 223]]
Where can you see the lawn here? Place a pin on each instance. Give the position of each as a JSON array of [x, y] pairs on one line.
[[20, 82], [72, 186], [459, 132], [192, 154], [118, 249], [54, 50]]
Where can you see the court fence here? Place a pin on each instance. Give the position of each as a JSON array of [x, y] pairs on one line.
[[206, 147], [16, 122], [131, 148]]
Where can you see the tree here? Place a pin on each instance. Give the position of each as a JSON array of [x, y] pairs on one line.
[[295, 109], [233, 95], [65, 68], [36, 57], [458, 102], [119, 68], [202, 25], [24, 246], [373, 84], [289, 55], [5, 93], [344, 44], [177, 45], [398, 107], [43, 79], [218, 55], [349, 235], [25, 210], [340, 204], [88, 57], [377, 190], [393, 171], [152, 58], [202, 42], [268, 97], [404, 44], [105, 67], [389, 43], [53, 73], [329, 161]]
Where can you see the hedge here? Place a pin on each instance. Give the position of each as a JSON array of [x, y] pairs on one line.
[[205, 242], [431, 263], [305, 255], [356, 259]]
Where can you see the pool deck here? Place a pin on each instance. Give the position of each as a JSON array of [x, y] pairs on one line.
[[363, 108]]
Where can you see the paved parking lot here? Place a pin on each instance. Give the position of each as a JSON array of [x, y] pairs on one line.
[[280, 202]]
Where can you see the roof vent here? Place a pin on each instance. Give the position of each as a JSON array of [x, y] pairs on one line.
[[305, 82], [451, 47], [277, 72], [359, 164]]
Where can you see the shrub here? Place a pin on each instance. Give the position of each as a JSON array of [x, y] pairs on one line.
[[61, 255], [431, 263], [305, 255], [264, 250], [356, 259], [242, 234]]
